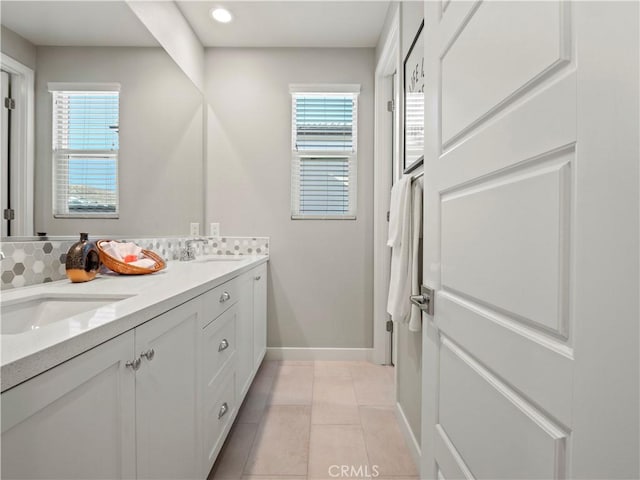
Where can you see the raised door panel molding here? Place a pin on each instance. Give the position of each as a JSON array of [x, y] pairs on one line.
[[514, 260], [498, 433], [450, 462], [490, 61], [537, 365], [551, 110]]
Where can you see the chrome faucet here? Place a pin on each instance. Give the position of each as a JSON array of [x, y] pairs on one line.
[[188, 253]]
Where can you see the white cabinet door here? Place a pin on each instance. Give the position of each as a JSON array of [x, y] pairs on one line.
[[530, 363], [168, 395], [74, 421], [259, 275], [245, 335]]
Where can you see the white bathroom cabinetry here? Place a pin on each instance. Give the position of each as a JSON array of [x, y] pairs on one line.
[[167, 394], [245, 368], [76, 420], [154, 402], [259, 277]]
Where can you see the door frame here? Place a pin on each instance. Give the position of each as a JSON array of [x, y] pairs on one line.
[[22, 146], [387, 65]]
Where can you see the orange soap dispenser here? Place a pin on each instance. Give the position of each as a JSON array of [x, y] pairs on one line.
[[83, 261]]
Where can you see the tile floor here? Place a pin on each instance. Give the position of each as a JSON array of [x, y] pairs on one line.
[[304, 420]]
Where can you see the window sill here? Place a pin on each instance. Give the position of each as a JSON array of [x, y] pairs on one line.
[[86, 215], [323, 217]]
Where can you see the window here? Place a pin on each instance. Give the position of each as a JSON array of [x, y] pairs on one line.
[[85, 150], [324, 151]]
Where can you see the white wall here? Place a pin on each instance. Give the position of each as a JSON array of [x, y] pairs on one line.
[[18, 48], [320, 280], [161, 129]]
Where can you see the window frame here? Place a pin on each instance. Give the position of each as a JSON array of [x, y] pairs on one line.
[[297, 156], [58, 155]]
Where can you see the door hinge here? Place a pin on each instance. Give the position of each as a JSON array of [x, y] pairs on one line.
[[9, 214], [389, 325], [388, 216], [9, 103], [391, 106]]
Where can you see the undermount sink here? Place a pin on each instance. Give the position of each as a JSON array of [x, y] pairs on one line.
[[36, 311], [221, 258]]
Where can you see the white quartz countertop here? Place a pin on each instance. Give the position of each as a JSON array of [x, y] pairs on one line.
[[27, 354]]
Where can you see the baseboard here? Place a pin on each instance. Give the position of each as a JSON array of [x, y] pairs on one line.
[[293, 353], [412, 442]]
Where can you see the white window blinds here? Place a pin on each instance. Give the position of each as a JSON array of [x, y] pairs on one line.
[[324, 161], [85, 152]]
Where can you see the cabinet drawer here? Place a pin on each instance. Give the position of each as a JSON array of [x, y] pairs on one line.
[[219, 299], [218, 415], [219, 344]]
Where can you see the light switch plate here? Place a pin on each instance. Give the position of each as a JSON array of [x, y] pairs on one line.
[[194, 229], [214, 229]]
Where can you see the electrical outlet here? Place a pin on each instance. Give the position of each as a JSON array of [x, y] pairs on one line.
[[194, 229], [214, 229]]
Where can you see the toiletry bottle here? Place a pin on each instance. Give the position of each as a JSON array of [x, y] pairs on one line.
[[83, 261]]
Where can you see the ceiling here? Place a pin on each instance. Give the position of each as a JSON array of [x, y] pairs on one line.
[[76, 23], [288, 23], [267, 23]]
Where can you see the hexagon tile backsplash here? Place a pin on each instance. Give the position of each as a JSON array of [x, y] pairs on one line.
[[31, 263], [28, 263]]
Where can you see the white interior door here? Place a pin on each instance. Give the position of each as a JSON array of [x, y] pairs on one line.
[[530, 362], [4, 149]]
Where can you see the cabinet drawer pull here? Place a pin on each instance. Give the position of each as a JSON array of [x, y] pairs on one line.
[[224, 344], [223, 410], [133, 364], [224, 297], [149, 354], [257, 277]]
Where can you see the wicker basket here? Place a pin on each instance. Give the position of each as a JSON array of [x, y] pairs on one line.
[[126, 268]]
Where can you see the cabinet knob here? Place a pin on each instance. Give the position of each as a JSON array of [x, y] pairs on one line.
[[224, 297], [224, 344], [223, 410], [257, 277], [149, 354], [133, 364]]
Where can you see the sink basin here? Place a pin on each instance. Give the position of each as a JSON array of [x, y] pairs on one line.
[[31, 313], [221, 258]]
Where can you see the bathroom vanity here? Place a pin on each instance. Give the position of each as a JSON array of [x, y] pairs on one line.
[[144, 386]]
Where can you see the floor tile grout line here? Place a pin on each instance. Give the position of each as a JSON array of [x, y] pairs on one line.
[[364, 439], [313, 388], [255, 437]]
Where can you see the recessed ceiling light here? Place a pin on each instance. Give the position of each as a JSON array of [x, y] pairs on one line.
[[221, 15]]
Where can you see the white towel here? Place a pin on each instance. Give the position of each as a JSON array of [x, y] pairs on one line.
[[415, 320], [119, 250], [398, 211], [400, 241]]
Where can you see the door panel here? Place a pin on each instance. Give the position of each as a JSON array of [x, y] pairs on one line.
[[517, 195], [524, 443], [527, 228], [537, 365], [76, 420], [167, 395], [489, 60], [259, 314]]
